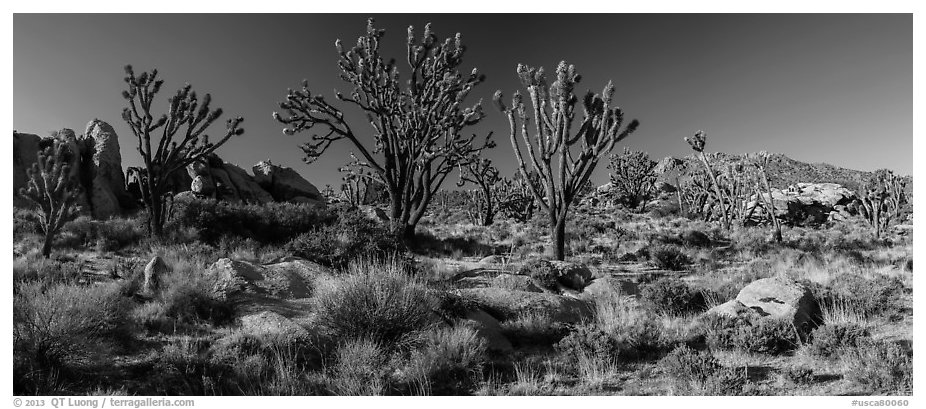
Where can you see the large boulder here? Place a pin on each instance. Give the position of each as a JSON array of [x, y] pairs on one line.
[[489, 329], [247, 188], [154, 274], [107, 193], [286, 279], [604, 288], [285, 184], [784, 299], [508, 304], [572, 275], [484, 279]]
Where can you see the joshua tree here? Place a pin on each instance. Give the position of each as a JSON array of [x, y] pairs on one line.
[[764, 191], [563, 157], [417, 137], [697, 143], [485, 176], [182, 137], [632, 177], [53, 191], [883, 200], [515, 198]]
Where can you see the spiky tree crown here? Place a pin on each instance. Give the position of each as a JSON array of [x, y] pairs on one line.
[[50, 187]]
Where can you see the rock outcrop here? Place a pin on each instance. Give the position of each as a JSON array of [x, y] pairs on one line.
[[215, 178], [96, 165], [778, 298], [285, 184], [507, 304], [287, 279], [809, 204], [107, 182]]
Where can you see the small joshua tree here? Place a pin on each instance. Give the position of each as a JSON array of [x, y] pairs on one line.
[[697, 142], [564, 158], [483, 201], [182, 138], [883, 199], [632, 177], [418, 123], [53, 191]]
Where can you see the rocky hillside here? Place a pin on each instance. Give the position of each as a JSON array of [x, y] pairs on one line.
[[782, 171]]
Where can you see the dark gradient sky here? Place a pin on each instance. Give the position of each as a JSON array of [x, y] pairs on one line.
[[834, 88]]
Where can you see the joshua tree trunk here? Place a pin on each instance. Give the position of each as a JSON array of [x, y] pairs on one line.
[[557, 248], [46, 245]]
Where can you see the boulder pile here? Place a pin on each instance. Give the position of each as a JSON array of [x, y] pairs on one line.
[[106, 191]]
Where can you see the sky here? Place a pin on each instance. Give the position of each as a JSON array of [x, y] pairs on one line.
[[830, 88]]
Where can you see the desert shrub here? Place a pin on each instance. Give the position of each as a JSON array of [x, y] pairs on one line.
[[264, 223], [830, 339], [359, 369], [758, 335], [25, 222], [799, 375], [449, 362], [353, 235], [696, 372], [882, 295], [63, 327], [106, 235], [669, 257], [533, 328], [590, 341], [182, 367], [641, 339], [881, 366], [672, 296], [376, 301], [542, 272], [45, 272], [183, 300]]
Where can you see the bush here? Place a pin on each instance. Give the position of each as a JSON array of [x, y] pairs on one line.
[[352, 236], [449, 363], [267, 223], [586, 341], [185, 299], [375, 301], [62, 327], [359, 369], [880, 366], [882, 295], [672, 296], [696, 372], [669, 257], [542, 272], [761, 335], [106, 235], [830, 339], [531, 328]]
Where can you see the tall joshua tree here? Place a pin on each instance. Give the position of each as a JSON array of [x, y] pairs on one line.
[[53, 191], [418, 124], [485, 176], [181, 134], [697, 142], [563, 156]]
